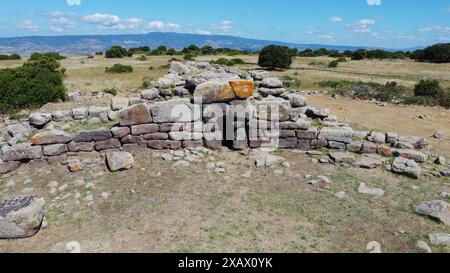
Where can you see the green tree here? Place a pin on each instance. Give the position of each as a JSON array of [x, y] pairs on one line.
[[117, 52], [273, 57]]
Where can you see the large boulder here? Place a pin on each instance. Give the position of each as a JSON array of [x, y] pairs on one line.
[[21, 217], [179, 68], [19, 130], [177, 110], [39, 119], [136, 114], [150, 94], [60, 115], [315, 112], [7, 167], [406, 167], [119, 161], [224, 91], [271, 83], [118, 103], [51, 137], [22, 151], [297, 100], [438, 210]]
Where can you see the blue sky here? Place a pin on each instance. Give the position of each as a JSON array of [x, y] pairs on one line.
[[385, 23]]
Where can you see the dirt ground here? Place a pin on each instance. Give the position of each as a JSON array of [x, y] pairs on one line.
[[158, 208]]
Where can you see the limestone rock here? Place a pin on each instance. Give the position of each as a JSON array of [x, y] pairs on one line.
[[150, 94], [21, 217], [336, 134], [55, 149], [118, 103], [411, 154], [271, 83], [177, 110], [39, 119], [370, 191], [439, 239], [406, 167], [118, 161], [7, 167], [22, 151], [51, 137], [368, 163], [136, 114], [439, 134], [423, 247], [341, 157], [93, 135], [438, 210]]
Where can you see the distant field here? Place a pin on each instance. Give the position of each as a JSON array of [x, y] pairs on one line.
[[87, 75]]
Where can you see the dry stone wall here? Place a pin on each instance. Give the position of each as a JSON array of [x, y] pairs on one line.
[[202, 105]]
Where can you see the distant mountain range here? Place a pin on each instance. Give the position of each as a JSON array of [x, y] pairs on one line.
[[83, 44]]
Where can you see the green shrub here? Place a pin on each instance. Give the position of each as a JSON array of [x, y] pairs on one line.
[[31, 85], [273, 57], [117, 52], [113, 91], [10, 57], [333, 64], [119, 68], [52, 55], [433, 91], [342, 60], [142, 58], [317, 63], [290, 82], [439, 53], [99, 53], [190, 56], [227, 62], [146, 83]]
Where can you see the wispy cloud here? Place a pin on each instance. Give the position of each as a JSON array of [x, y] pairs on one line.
[[28, 25], [223, 27], [161, 26], [335, 19], [73, 2], [362, 26], [436, 29], [109, 21], [374, 2]]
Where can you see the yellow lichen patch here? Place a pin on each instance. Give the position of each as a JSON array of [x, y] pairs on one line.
[[226, 93], [243, 89]]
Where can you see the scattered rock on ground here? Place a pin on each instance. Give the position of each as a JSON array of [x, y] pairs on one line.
[[438, 210], [439, 239], [423, 247], [118, 161], [370, 191], [406, 167]]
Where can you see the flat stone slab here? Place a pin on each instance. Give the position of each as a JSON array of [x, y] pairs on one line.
[[119, 161], [438, 210]]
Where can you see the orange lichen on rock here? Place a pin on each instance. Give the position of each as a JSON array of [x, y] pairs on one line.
[[226, 93], [243, 89]]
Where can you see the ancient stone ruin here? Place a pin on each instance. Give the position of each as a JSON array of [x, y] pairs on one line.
[[202, 105]]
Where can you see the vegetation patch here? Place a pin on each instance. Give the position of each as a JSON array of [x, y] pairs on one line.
[[12, 57], [32, 85], [119, 68], [48, 55], [228, 62]]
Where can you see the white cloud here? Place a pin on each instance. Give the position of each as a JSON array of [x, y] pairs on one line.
[[223, 27], [161, 26], [109, 21], [56, 29], [436, 29], [73, 2], [362, 26], [203, 32], [336, 19], [28, 25], [59, 21], [374, 2]]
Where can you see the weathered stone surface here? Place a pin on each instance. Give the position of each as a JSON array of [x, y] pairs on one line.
[[144, 129], [81, 146], [179, 68], [150, 94], [300, 124], [438, 210], [118, 103], [303, 144], [423, 247], [185, 136], [75, 96], [377, 137], [177, 110], [22, 151], [406, 167], [368, 163], [242, 89], [192, 143], [80, 113], [93, 135], [439, 134], [391, 137], [55, 149], [181, 91], [119, 161], [319, 143], [62, 115], [315, 112], [7, 167], [120, 132], [107, 144], [355, 147], [39, 119], [21, 217], [341, 157], [336, 134], [439, 239], [134, 115], [369, 148], [287, 143], [440, 160], [297, 100], [271, 91], [259, 75], [411, 154], [417, 142], [75, 165], [156, 136], [271, 83], [446, 172], [211, 92], [19, 131], [132, 139], [96, 111], [51, 137], [287, 133], [370, 191], [311, 133], [273, 109], [336, 145], [164, 144]]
